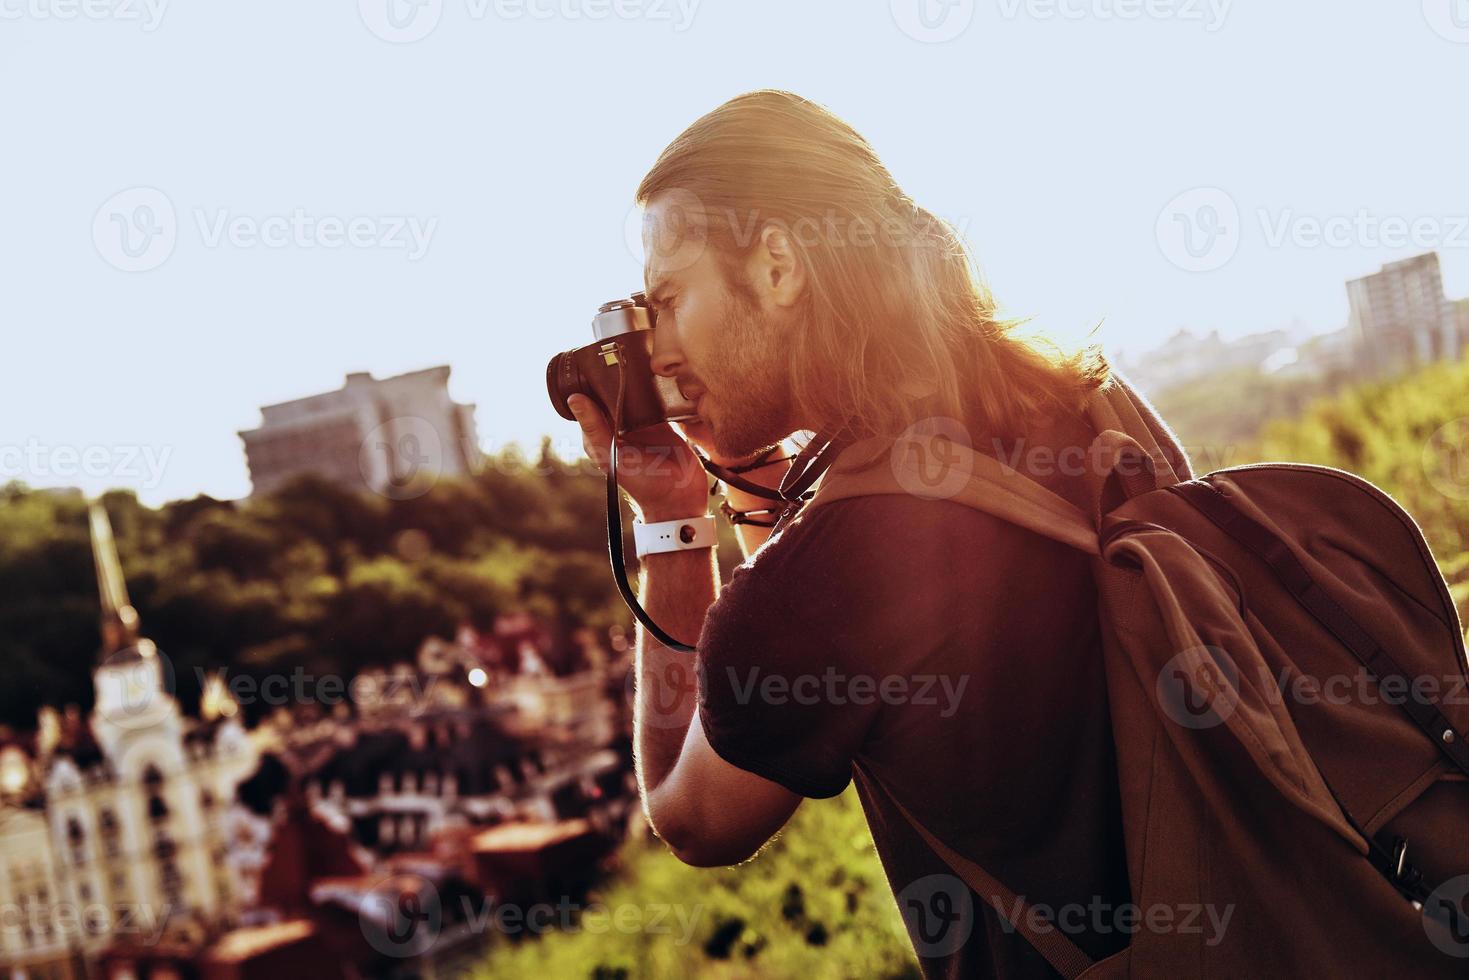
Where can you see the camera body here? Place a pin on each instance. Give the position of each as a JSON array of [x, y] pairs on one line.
[[621, 354]]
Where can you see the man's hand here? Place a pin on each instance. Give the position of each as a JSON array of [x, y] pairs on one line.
[[655, 466]]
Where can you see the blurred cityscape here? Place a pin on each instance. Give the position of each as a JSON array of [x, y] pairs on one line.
[[1218, 391], [1399, 319], [139, 843]]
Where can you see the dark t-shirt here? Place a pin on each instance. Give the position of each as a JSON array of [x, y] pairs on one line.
[[954, 658]]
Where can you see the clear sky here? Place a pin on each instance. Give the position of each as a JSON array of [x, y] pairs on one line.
[[490, 149]]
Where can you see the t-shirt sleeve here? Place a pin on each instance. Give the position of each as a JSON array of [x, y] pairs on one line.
[[793, 655]]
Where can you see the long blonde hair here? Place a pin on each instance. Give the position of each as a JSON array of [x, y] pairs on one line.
[[897, 324]]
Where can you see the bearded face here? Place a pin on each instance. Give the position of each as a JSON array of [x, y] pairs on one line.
[[720, 340]]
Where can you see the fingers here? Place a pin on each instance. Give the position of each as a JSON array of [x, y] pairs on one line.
[[596, 431]]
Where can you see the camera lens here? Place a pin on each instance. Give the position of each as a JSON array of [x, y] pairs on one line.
[[562, 381]]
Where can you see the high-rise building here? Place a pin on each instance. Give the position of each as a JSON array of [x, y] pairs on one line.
[[395, 436], [1400, 318]]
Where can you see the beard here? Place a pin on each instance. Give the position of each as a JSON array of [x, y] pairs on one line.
[[747, 400]]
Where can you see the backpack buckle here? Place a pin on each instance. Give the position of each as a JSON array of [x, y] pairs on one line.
[[1400, 858]]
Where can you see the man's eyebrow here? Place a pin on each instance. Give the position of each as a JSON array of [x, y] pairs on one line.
[[654, 290]]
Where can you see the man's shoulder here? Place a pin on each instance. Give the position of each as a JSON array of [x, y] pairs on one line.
[[881, 547], [890, 528]]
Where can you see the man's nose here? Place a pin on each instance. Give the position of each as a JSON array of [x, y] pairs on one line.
[[667, 360]]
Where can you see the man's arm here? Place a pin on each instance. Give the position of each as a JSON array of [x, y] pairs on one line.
[[708, 811]]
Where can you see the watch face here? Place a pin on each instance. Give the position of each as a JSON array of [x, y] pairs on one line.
[[687, 533]]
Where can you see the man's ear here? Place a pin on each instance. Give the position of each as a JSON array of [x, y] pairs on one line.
[[777, 271]]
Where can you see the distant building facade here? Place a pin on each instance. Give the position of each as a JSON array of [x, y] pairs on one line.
[[122, 832], [393, 436], [1400, 318]]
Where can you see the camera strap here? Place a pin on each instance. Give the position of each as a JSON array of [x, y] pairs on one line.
[[795, 490]]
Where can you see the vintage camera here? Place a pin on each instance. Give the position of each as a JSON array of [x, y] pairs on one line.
[[622, 354]]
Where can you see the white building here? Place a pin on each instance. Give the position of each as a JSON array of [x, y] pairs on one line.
[[395, 436], [127, 835]]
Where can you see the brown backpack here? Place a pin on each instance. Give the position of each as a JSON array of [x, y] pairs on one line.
[[1287, 681]]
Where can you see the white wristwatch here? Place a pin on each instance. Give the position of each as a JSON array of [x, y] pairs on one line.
[[689, 534]]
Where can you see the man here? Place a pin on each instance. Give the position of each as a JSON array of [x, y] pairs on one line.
[[945, 658]]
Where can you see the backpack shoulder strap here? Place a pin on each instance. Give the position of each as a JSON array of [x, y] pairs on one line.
[[928, 462], [932, 466]]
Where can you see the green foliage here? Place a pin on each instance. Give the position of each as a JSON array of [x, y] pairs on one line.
[[313, 576], [813, 905], [1408, 435]]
